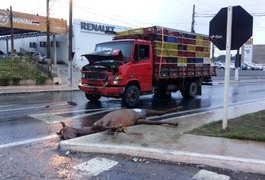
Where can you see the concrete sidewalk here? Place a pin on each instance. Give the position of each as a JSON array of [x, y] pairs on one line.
[[173, 144]]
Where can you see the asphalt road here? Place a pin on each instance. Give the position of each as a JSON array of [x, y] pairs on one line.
[[29, 146]]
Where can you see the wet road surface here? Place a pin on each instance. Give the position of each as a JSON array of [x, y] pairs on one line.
[[28, 123]]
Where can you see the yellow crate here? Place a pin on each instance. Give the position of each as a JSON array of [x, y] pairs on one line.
[[166, 52], [122, 33], [206, 43], [191, 48], [130, 32], [182, 60], [136, 31], [199, 42], [203, 54], [166, 45], [198, 37]]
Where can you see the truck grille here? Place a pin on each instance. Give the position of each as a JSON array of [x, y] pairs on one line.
[[95, 76]]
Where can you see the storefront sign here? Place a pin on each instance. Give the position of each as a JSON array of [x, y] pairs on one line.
[[32, 22], [96, 27]]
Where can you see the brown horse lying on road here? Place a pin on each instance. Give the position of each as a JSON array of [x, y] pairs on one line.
[[117, 121]]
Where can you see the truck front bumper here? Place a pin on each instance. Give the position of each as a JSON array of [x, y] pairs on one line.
[[103, 91]]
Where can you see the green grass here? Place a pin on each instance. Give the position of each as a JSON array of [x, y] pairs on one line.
[[14, 70], [247, 127]]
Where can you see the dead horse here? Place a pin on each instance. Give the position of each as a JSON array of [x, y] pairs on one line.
[[117, 121]]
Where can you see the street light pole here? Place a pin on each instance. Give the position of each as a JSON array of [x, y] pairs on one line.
[[12, 32], [48, 35], [193, 19], [70, 36]]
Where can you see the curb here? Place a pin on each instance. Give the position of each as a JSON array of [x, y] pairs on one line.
[[233, 163], [34, 89]]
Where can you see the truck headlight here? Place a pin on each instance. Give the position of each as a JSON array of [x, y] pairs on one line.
[[118, 77]]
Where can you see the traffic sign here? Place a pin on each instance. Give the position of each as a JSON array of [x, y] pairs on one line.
[[242, 25]]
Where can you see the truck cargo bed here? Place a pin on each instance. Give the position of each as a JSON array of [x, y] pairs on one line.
[[177, 54]]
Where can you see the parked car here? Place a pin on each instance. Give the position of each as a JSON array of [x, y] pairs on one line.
[[244, 66], [41, 58], [2, 54], [219, 65], [254, 67], [258, 67]]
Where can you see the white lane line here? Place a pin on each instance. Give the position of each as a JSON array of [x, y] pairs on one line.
[[72, 112], [54, 117], [21, 109], [89, 114], [38, 106], [27, 141], [49, 118], [96, 166], [203, 174]]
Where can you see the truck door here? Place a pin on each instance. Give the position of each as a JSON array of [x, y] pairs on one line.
[[142, 68]]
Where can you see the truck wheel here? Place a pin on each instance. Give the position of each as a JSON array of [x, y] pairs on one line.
[[131, 97], [190, 90], [93, 97]]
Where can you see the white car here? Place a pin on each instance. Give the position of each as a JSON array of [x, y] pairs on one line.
[[41, 58], [219, 65], [2, 54]]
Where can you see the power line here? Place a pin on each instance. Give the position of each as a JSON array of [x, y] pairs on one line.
[[52, 4], [208, 15]]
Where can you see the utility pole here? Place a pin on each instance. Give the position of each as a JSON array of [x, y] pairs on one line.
[[48, 35], [12, 32], [237, 65], [193, 19], [212, 52], [70, 36]]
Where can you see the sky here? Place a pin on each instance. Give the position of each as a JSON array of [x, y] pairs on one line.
[[142, 13]]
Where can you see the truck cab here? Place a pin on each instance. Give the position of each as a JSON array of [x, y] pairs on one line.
[[120, 69]]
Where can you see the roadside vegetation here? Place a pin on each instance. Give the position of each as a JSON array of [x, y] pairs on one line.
[[247, 127], [12, 71]]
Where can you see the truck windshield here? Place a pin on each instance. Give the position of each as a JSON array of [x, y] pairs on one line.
[[125, 48]]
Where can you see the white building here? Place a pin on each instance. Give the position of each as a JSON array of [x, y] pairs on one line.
[[87, 34]]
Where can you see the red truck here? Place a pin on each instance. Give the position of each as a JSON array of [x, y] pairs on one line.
[[147, 60]]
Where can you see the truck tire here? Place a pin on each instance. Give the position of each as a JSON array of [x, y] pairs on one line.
[[131, 96], [190, 90], [93, 97]]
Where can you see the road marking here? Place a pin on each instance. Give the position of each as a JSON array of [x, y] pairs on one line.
[[203, 174], [37, 106], [49, 118], [54, 117], [96, 166], [27, 141]]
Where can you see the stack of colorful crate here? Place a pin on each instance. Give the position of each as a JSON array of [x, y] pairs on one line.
[[189, 52]]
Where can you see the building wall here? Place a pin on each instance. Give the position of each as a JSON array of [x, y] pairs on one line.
[[22, 45], [258, 54], [86, 34], [253, 54]]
